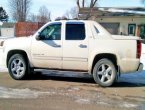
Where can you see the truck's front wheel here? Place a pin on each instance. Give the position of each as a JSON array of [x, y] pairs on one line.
[[104, 72], [17, 66]]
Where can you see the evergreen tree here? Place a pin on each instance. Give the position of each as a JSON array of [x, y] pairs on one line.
[[3, 15]]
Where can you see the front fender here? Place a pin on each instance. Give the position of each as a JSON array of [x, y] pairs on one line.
[[16, 44]]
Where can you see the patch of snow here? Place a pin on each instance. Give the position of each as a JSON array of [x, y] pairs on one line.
[[143, 48], [2, 38], [73, 89], [3, 69], [1, 23], [21, 93], [83, 101], [123, 11], [129, 105], [8, 93], [142, 60], [102, 103]]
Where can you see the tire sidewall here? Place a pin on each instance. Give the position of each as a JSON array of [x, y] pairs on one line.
[[95, 75], [17, 56]]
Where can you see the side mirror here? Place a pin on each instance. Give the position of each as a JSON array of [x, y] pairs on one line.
[[38, 37]]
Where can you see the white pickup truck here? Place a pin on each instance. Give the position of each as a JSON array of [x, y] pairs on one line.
[[73, 46]]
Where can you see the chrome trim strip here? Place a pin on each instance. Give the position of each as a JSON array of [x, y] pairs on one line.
[[75, 59], [60, 58]]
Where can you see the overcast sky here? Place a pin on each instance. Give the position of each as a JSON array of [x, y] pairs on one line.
[[59, 7]]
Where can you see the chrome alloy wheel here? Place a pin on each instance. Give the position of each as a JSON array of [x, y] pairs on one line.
[[105, 73], [18, 67]]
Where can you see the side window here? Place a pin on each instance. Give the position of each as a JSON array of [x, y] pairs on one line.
[[97, 31], [75, 31], [51, 32]]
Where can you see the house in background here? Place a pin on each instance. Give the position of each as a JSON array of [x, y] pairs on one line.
[[121, 21], [7, 30]]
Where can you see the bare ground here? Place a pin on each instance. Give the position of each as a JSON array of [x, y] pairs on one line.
[[54, 90]]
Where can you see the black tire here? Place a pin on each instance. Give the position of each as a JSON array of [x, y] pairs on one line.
[[104, 72], [18, 67]]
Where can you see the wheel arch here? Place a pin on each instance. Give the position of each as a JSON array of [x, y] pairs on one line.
[[111, 57], [12, 52]]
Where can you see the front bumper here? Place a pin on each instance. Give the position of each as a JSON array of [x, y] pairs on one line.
[[140, 68]]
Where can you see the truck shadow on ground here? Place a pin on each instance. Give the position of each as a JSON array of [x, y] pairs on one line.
[[126, 80], [62, 76], [131, 80]]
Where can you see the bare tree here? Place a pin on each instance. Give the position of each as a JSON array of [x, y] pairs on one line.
[[78, 4], [44, 14], [72, 13], [67, 14], [89, 4], [81, 3], [33, 17], [61, 18], [20, 9]]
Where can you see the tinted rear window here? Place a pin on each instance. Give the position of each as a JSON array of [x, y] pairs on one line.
[[75, 31]]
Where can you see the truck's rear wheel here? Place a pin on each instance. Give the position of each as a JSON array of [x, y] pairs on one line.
[[17, 66], [104, 72]]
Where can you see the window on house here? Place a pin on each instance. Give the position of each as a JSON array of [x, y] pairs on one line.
[[75, 31], [131, 29]]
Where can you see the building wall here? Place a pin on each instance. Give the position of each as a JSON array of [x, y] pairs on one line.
[[124, 21], [7, 32]]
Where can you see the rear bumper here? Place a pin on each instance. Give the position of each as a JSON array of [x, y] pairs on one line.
[[140, 68]]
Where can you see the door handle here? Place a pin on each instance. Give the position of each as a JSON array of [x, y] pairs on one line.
[[56, 46], [82, 46]]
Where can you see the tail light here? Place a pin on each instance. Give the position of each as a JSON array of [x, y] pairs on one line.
[[139, 47]]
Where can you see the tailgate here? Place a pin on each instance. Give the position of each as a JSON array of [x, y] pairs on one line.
[[143, 55], [1, 50]]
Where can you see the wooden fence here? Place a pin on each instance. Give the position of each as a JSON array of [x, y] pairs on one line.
[[26, 28]]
